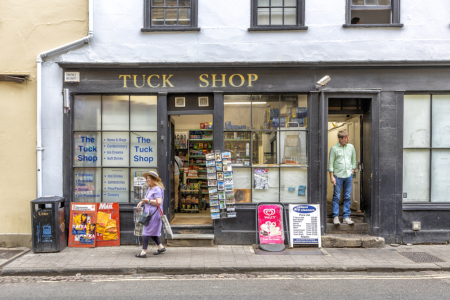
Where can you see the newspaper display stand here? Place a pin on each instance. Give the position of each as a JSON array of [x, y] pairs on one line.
[[83, 220], [108, 230], [140, 188]]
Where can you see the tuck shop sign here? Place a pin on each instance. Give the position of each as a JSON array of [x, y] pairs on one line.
[[304, 223], [204, 80]]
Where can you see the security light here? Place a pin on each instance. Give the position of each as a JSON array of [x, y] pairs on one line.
[[324, 80]]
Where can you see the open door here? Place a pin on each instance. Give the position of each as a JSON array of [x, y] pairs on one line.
[[172, 169]]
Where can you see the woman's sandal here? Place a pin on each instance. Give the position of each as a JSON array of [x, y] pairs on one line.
[[141, 256], [158, 252]]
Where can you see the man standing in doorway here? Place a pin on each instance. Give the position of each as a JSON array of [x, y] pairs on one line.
[[341, 167], [178, 165]]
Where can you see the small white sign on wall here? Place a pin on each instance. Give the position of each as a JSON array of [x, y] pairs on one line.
[[71, 76]]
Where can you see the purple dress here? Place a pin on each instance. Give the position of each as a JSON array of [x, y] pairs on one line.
[[154, 227]]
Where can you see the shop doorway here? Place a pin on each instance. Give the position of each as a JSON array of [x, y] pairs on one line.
[[353, 114], [191, 137]]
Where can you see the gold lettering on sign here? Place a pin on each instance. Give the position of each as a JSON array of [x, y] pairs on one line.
[[124, 79], [204, 80], [166, 80], [242, 80], [149, 81], [223, 80], [143, 81], [251, 78]]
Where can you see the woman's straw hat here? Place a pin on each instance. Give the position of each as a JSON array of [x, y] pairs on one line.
[[153, 174]]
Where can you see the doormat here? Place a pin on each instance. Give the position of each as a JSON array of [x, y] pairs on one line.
[[295, 251], [420, 257]]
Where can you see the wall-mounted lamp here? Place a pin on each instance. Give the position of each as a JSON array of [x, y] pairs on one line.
[[323, 82]]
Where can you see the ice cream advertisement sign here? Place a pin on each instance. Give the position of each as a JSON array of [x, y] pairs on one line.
[[270, 224]]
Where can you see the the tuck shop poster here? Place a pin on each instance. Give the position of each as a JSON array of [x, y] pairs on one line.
[[270, 224]]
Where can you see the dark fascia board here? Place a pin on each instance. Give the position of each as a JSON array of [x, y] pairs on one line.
[[268, 64], [17, 78], [372, 26]]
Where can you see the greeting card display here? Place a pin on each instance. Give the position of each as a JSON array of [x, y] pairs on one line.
[[220, 185]]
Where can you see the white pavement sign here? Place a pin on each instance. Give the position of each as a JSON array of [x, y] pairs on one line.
[[304, 224]]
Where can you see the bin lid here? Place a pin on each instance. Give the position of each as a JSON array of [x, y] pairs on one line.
[[48, 199]]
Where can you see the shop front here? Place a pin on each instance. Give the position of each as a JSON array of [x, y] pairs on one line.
[[277, 126]]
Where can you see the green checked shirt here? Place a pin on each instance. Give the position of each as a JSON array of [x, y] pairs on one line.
[[342, 160]]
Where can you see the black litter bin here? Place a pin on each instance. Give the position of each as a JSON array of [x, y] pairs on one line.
[[48, 226]]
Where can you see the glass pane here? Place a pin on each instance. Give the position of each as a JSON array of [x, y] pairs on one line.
[[371, 2], [440, 164], [184, 2], [384, 2], [277, 3], [158, 16], [416, 128], [239, 145], [276, 17], [357, 2], [87, 147], [293, 148], [157, 2], [144, 152], [171, 2], [87, 112], [293, 111], [263, 2], [265, 112], [416, 175], [171, 16], [115, 185], [265, 146], [144, 113], [184, 16], [242, 181], [137, 172], [115, 115], [116, 147], [441, 121], [290, 2], [290, 16], [237, 112], [88, 187], [294, 182], [263, 16], [265, 185]]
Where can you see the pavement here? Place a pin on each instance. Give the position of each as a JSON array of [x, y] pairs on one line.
[[223, 260]]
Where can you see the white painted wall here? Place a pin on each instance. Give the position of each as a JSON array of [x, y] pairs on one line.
[[224, 36]]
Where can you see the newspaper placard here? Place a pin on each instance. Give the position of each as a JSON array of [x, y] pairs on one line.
[[304, 223]]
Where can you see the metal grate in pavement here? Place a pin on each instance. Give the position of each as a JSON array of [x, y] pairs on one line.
[[420, 257], [7, 254]]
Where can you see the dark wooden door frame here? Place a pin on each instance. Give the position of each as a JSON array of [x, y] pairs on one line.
[[374, 114]]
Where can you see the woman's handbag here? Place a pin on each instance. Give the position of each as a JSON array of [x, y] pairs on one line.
[[166, 225], [145, 219]]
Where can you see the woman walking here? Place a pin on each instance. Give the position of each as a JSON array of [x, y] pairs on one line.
[[153, 198]]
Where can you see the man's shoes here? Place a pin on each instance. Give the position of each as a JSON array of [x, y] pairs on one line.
[[336, 221], [348, 221]]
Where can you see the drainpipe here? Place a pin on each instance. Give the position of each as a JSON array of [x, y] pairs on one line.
[[39, 61]]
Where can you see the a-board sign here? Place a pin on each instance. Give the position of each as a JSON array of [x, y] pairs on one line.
[[83, 219], [108, 225], [270, 224], [304, 224]]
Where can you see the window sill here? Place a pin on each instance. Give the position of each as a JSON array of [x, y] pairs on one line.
[[427, 206], [372, 25], [281, 28], [171, 29]]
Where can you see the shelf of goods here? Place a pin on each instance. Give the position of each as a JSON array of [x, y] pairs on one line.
[[191, 201]]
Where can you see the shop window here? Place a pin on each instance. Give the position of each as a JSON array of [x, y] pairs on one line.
[[170, 15], [275, 141], [373, 13], [106, 154], [278, 15], [426, 148]]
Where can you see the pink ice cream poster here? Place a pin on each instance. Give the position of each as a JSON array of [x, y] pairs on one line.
[[270, 224]]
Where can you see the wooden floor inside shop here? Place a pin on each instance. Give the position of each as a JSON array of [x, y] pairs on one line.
[[201, 218]]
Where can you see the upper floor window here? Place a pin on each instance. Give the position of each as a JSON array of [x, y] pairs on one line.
[[373, 13], [278, 15], [170, 15]]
